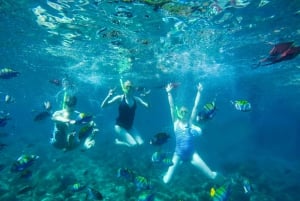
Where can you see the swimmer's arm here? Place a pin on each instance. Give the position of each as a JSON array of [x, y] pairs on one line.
[[197, 100], [143, 103], [107, 102], [59, 117], [171, 101]]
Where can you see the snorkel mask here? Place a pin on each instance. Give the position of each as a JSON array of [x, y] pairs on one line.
[[181, 112]]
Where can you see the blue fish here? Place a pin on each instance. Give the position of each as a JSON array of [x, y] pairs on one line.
[[242, 105], [84, 118], [208, 112], [221, 193], [158, 156], [7, 73], [142, 183], [76, 187], [126, 173], [162, 158], [23, 162]]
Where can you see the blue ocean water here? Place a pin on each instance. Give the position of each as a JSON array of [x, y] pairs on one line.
[[94, 43]]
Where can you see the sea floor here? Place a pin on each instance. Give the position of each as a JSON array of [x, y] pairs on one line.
[[54, 173]]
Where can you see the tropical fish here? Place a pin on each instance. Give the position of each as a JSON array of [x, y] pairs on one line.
[[142, 183], [76, 187], [167, 161], [221, 193], [208, 112], [280, 52], [4, 117], [84, 118], [242, 105], [92, 194], [161, 158], [85, 131], [146, 196], [126, 173], [159, 139], [23, 162], [158, 156], [42, 115], [7, 73]]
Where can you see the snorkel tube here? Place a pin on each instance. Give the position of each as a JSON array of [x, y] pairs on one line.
[[68, 90], [122, 85], [64, 100], [124, 89], [178, 113]]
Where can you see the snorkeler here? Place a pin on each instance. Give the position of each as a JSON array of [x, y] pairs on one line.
[[127, 134], [185, 131], [71, 129]]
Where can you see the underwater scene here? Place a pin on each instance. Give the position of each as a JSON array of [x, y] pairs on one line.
[[149, 100]]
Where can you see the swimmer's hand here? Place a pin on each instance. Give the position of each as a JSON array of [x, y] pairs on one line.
[[169, 87], [199, 87]]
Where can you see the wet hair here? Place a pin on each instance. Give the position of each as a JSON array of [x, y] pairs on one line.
[[70, 101]]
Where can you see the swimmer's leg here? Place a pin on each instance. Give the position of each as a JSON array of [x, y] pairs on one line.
[[58, 139], [167, 177], [136, 136], [200, 164], [124, 138]]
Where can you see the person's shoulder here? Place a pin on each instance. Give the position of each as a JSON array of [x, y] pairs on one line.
[[57, 112], [118, 97]]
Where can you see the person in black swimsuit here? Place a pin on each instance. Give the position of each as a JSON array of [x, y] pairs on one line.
[[127, 134]]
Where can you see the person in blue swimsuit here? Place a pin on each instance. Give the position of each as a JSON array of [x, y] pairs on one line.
[[127, 134], [185, 131]]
